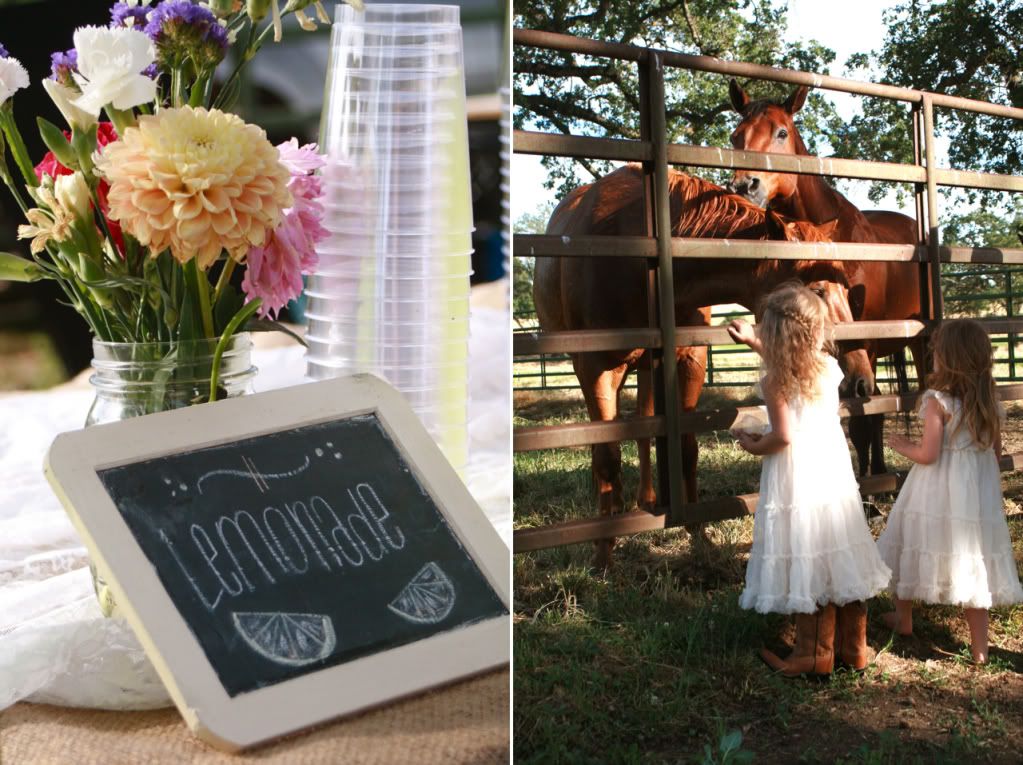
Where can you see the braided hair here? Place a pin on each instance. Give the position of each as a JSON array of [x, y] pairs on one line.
[[792, 329]]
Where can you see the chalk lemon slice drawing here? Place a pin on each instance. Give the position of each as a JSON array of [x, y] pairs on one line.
[[427, 599], [292, 639]]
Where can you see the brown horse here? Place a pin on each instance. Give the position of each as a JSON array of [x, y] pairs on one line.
[[610, 293], [877, 290]]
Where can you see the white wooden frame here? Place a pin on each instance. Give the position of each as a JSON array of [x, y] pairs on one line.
[[266, 713]]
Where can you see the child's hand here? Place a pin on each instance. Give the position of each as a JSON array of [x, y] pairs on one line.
[[742, 331], [898, 442], [746, 440]]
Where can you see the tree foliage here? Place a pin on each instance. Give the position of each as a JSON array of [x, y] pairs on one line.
[[967, 48], [965, 285], [522, 268], [582, 95]]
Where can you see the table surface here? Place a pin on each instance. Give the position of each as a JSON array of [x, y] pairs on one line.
[[55, 647]]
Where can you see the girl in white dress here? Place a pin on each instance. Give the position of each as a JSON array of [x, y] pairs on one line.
[[812, 549], [947, 540]]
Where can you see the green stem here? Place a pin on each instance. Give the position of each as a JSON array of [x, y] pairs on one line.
[[232, 326], [122, 119], [9, 182], [199, 89], [176, 87], [250, 51], [225, 278], [17, 144], [202, 285]]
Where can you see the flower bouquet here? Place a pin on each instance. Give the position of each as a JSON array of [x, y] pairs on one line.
[[142, 217]]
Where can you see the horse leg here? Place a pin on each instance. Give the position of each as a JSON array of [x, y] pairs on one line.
[[646, 497], [692, 365], [860, 433], [600, 389]]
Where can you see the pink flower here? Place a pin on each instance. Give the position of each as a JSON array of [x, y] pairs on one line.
[[274, 271]]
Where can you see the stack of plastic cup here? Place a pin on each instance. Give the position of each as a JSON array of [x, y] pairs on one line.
[[505, 139], [391, 292]]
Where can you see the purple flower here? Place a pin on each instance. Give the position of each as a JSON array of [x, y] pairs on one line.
[[62, 64], [3, 52], [122, 12], [181, 28]]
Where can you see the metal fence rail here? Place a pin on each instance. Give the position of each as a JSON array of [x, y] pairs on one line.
[[551, 377], [654, 151]]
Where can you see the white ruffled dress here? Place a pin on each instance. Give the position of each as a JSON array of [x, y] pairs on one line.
[[811, 543], [946, 540]]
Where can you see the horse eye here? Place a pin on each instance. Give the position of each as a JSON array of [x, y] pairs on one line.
[[783, 134]]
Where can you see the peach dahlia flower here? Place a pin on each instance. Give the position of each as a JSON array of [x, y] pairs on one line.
[[196, 181]]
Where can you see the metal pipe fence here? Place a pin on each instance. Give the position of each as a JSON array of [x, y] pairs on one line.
[[659, 249]]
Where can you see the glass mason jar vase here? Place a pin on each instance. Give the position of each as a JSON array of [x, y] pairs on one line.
[[134, 379]]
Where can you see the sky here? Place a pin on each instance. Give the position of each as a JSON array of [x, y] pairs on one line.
[[845, 27]]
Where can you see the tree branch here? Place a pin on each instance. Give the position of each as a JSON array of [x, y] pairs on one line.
[[557, 111]]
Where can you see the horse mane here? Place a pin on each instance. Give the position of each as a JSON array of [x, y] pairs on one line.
[[702, 209], [614, 205]]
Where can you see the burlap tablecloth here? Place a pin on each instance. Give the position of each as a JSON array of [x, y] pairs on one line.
[[463, 723]]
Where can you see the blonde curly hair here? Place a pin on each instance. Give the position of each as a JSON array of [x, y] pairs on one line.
[[793, 328], [963, 367]]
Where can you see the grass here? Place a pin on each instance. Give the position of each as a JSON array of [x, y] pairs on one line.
[[654, 662]]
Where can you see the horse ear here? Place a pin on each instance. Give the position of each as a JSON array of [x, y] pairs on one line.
[[738, 96], [827, 229], [795, 102]]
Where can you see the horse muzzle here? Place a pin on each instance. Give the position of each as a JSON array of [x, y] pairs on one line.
[[751, 189], [858, 386]]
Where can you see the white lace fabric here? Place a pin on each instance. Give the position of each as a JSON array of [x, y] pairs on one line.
[[947, 540], [811, 543], [55, 645]]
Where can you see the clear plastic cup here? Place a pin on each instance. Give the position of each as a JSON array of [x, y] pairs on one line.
[[434, 289], [389, 302], [449, 334], [409, 320], [395, 14]]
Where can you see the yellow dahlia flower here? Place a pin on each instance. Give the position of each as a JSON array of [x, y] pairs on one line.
[[197, 181]]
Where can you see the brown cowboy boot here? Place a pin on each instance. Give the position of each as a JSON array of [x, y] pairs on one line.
[[851, 636], [815, 641]]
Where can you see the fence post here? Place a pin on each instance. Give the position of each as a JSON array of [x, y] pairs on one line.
[[1009, 312], [920, 192], [665, 286], [655, 356], [933, 243]]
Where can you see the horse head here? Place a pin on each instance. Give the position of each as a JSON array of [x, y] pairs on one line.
[[828, 279], [766, 126]]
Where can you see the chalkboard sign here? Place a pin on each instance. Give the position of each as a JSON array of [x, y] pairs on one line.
[[305, 540]]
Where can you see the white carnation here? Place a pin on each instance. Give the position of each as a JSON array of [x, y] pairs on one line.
[[110, 62], [13, 78], [64, 99]]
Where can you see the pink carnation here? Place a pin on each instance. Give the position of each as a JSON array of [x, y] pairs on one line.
[[274, 271]]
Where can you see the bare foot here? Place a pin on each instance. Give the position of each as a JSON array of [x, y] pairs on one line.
[[891, 620], [979, 656]]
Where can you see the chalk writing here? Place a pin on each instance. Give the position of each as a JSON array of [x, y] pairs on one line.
[[244, 551], [251, 472], [427, 599], [291, 639]]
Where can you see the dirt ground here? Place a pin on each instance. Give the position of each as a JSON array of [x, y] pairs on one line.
[[653, 661]]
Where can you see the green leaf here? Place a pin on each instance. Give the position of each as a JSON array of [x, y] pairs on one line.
[[189, 322], [55, 141], [17, 269], [269, 325], [730, 741], [228, 304]]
